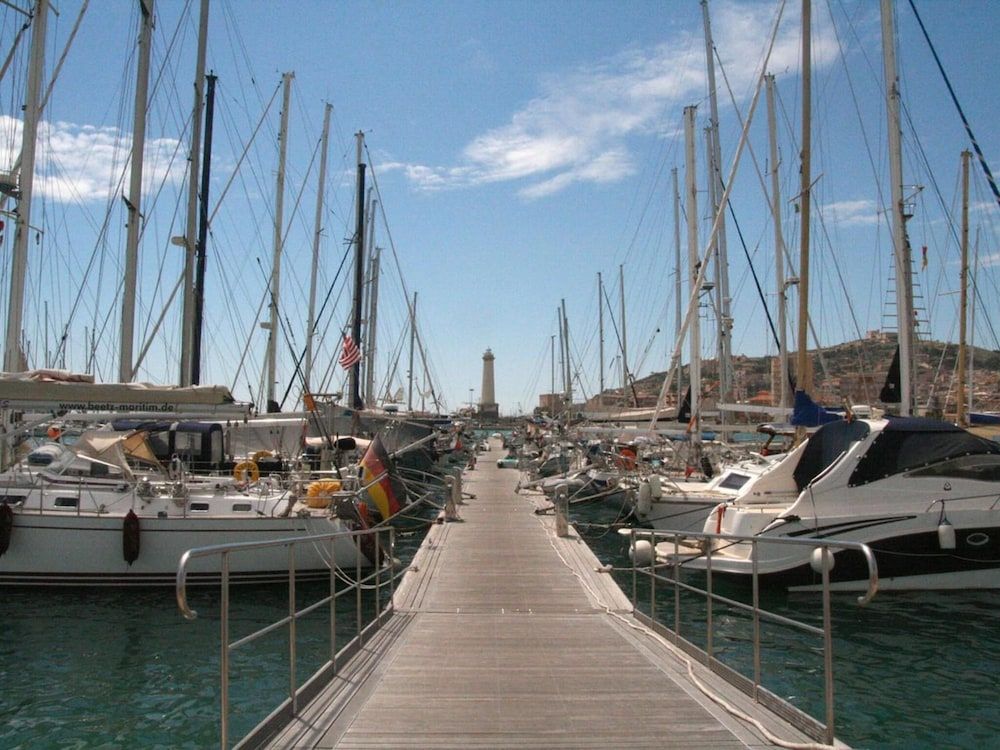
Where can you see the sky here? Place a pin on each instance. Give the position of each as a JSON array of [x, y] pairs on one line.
[[518, 149]]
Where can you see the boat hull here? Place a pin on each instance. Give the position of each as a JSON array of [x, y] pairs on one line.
[[82, 550]]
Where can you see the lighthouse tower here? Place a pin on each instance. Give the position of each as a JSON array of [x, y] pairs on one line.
[[487, 400]]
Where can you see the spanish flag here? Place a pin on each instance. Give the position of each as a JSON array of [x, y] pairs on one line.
[[377, 464]]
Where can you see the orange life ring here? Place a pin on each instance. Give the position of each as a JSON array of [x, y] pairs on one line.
[[246, 471], [627, 458]]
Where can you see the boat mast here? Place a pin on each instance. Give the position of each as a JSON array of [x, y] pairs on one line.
[[413, 335], [779, 246], [202, 254], [678, 284], [13, 358], [191, 233], [963, 307], [803, 371], [134, 202], [566, 357], [600, 336], [274, 287], [694, 263], [375, 271], [317, 234], [901, 246], [721, 254], [621, 294], [552, 361], [359, 275]]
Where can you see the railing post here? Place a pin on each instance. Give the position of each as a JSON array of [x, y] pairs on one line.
[[708, 601], [828, 644], [635, 570], [333, 604], [652, 577], [392, 567], [224, 621], [562, 510], [357, 585], [291, 629], [677, 589], [756, 619]]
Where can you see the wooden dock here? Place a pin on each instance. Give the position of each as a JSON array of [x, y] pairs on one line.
[[507, 636]]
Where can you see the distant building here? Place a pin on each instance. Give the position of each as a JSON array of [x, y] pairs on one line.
[[488, 403]]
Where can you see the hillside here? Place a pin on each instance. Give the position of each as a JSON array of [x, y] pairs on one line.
[[853, 371]]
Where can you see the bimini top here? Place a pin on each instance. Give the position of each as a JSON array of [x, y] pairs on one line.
[[905, 444]]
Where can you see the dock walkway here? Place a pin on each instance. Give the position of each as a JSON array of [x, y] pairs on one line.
[[507, 636]]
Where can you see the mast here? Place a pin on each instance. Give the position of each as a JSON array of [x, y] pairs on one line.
[[375, 270], [694, 263], [13, 358], [600, 334], [413, 335], [566, 358], [279, 207], [722, 299], [803, 372], [779, 246], [191, 233], [134, 201], [552, 358], [963, 306], [199, 271], [359, 274], [678, 284], [621, 294], [317, 234], [901, 246]]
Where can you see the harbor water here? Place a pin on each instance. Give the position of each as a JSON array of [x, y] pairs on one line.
[[122, 668]]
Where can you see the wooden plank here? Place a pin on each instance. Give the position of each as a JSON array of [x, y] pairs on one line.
[[515, 638]]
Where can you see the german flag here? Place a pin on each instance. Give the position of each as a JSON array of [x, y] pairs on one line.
[[376, 463]]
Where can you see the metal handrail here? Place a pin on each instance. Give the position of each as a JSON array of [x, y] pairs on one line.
[[224, 551], [754, 609]]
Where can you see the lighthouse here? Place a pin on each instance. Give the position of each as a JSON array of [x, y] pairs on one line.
[[487, 400]]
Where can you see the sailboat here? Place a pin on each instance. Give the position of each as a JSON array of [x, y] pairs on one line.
[[920, 492]]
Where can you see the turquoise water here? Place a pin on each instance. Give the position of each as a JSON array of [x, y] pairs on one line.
[[122, 669], [911, 670]]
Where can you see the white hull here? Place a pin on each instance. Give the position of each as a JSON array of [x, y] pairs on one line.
[[86, 549]]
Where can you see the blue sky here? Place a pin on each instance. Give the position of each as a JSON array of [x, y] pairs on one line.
[[519, 149]]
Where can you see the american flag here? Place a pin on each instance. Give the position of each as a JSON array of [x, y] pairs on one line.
[[351, 354]]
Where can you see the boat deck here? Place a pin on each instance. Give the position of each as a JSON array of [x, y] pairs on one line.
[[507, 636]]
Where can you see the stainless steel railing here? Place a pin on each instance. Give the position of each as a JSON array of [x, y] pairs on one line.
[[380, 577], [675, 563]]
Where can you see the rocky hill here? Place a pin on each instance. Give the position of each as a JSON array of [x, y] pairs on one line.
[[853, 371]]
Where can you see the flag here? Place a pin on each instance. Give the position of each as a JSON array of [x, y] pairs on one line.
[[376, 464], [923, 261], [351, 354]]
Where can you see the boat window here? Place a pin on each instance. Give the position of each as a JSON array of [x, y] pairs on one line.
[[978, 468], [733, 481], [918, 444], [199, 507], [67, 502], [241, 507], [825, 446]]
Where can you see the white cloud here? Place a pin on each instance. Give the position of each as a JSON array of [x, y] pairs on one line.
[[81, 163], [859, 213], [577, 128]]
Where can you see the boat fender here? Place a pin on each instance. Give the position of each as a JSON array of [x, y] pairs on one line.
[[641, 553], [655, 488], [720, 511], [946, 535], [246, 471], [644, 505], [130, 537], [6, 527]]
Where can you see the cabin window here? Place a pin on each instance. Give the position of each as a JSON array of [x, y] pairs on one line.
[[199, 507], [67, 502], [964, 467], [12, 499], [241, 507], [733, 481]]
